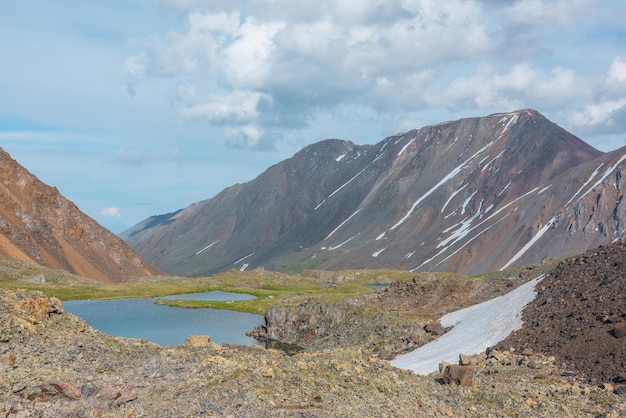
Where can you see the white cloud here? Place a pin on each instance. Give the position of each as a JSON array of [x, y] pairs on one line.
[[237, 107], [615, 83], [111, 211], [552, 12], [261, 67]]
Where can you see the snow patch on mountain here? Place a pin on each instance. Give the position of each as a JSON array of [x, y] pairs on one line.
[[474, 330], [207, 247]]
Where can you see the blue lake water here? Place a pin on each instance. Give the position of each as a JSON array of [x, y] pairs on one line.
[[141, 318]]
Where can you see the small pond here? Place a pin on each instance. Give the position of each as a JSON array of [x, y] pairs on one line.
[[142, 318]]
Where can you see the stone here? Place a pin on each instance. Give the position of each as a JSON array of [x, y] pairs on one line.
[[125, 398], [498, 355], [458, 375], [55, 306], [18, 387], [619, 330], [435, 328], [197, 340], [108, 394], [465, 360], [69, 390], [608, 386], [620, 390]]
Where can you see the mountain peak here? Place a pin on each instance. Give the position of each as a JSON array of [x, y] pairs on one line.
[[467, 196]]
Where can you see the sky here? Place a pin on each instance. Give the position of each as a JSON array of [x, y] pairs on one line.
[[136, 108]]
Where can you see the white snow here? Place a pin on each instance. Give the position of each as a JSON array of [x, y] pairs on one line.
[[492, 160], [243, 258], [511, 122], [450, 175], [530, 243], [340, 245], [593, 175], [544, 189], [452, 197], [377, 253], [467, 201], [505, 187], [602, 178], [462, 232], [244, 267], [351, 180], [475, 329], [405, 147], [341, 157], [207, 247], [341, 224]]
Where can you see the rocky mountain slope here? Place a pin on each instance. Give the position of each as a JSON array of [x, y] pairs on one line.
[[39, 225], [579, 315], [465, 196]]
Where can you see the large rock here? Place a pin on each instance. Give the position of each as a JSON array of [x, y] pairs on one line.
[[458, 375]]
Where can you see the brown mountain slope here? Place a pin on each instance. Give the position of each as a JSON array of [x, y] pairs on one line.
[[39, 225], [466, 196]]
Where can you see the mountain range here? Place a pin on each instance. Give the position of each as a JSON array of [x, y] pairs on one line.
[[467, 196], [39, 225]]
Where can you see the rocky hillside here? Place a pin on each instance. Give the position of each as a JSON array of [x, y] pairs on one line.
[[465, 196], [579, 315], [39, 225]]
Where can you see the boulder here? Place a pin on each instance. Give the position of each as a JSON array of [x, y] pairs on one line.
[[458, 375], [197, 340]]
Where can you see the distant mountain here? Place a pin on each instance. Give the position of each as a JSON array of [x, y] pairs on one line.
[[466, 196], [39, 225]]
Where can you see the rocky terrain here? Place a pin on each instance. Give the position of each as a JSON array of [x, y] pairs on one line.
[[390, 321], [52, 364], [579, 315], [39, 225]]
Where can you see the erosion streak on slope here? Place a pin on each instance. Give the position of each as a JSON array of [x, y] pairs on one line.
[[475, 328]]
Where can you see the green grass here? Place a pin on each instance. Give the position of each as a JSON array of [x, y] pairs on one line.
[[270, 288]]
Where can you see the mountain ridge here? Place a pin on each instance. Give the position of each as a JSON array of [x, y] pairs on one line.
[[39, 225], [466, 196]]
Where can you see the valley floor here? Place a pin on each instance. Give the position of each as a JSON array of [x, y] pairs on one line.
[[53, 364]]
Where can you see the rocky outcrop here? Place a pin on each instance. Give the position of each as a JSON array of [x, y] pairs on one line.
[[39, 225]]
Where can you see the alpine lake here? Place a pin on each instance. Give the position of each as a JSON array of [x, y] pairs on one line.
[[145, 318]]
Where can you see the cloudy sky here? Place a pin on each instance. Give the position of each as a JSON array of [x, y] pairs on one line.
[[133, 108]]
